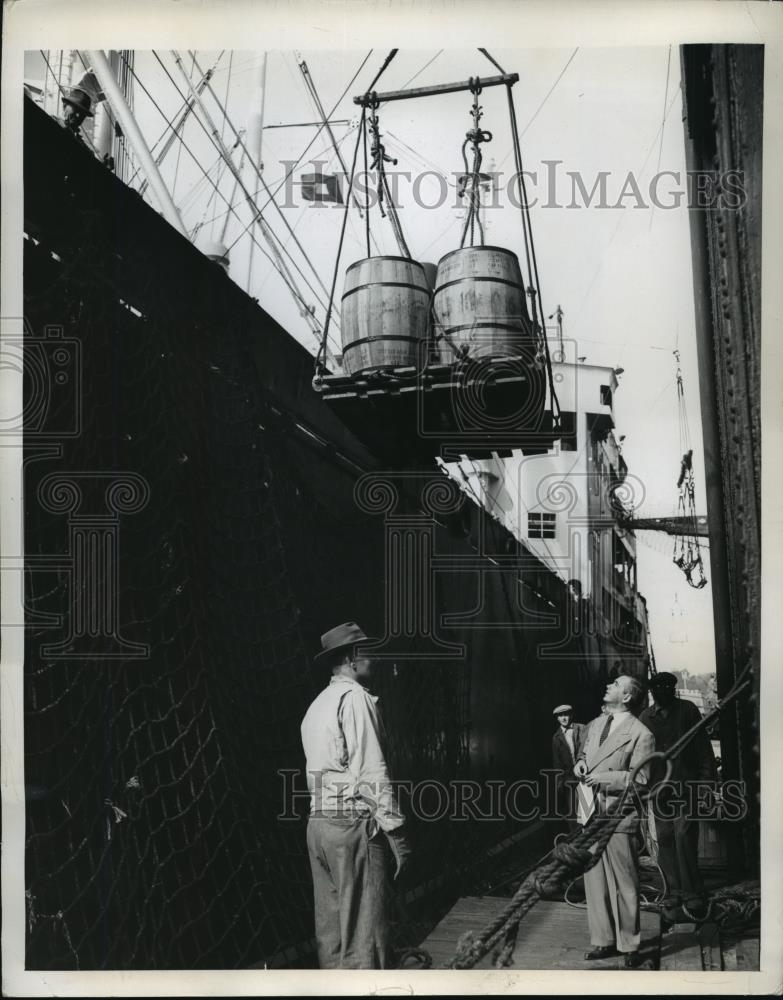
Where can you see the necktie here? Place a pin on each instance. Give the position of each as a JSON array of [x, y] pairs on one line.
[[605, 730]]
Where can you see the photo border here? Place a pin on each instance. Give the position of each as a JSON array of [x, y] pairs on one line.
[[333, 24]]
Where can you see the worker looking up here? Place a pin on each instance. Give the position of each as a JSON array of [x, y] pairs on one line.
[[76, 107], [354, 817]]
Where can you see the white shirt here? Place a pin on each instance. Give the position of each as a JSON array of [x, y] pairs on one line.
[[343, 740]]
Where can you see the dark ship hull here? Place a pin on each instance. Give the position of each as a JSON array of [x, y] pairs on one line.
[[195, 517]]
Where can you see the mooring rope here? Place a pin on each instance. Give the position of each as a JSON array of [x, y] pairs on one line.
[[581, 851]]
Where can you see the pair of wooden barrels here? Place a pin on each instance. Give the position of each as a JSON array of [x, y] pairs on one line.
[[476, 298]]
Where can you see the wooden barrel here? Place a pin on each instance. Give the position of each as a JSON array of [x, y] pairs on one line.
[[480, 304], [385, 314]]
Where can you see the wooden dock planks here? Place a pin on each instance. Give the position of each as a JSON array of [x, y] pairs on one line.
[[681, 950], [553, 935]]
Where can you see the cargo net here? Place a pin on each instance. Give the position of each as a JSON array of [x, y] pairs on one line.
[[153, 786]]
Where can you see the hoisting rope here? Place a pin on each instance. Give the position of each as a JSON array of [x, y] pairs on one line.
[[579, 852], [378, 162], [534, 290], [474, 137], [320, 368], [687, 550], [361, 136]]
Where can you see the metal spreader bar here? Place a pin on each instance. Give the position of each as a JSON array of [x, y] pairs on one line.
[[366, 100]]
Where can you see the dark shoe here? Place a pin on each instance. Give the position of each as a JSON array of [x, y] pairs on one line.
[[632, 960], [601, 951]]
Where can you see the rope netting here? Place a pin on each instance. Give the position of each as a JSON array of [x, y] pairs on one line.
[[145, 845], [158, 724]]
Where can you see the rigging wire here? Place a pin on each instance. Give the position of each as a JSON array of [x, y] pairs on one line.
[[291, 287], [425, 66], [550, 91], [310, 143], [321, 355], [535, 290], [257, 191], [548, 94], [228, 88], [663, 124], [261, 221], [179, 151], [416, 155], [271, 237], [179, 120], [310, 84]]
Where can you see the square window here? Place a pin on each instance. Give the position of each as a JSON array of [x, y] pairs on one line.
[[540, 525]]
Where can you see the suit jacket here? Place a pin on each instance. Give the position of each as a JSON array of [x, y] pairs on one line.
[[628, 743], [561, 752]]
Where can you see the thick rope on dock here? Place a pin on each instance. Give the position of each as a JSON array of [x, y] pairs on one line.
[[573, 856], [579, 852]]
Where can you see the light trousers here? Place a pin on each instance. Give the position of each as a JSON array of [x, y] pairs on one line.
[[612, 891], [351, 893]]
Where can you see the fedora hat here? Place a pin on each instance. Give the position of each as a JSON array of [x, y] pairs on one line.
[[339, 638], [80, 100]]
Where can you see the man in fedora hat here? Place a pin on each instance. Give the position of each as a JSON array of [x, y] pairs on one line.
[[566, 744], [354, 816], [676, 831], [76, 107]]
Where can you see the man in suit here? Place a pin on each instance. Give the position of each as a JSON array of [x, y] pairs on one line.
[[676, 831], [615, 743], [566, 744]]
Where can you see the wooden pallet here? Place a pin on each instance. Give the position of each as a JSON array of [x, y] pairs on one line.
[[407, 416]]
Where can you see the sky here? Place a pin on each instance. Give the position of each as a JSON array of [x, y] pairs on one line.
[[622, 275]]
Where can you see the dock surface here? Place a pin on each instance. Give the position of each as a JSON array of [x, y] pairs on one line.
[[554, 935]]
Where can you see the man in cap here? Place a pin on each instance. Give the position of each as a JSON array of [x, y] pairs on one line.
[[677, 833], [354, 817], [566, 744], [76, 107], [615, 744]]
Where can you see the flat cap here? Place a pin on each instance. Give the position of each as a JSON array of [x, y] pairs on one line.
[[563, 710], [663, 680]]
